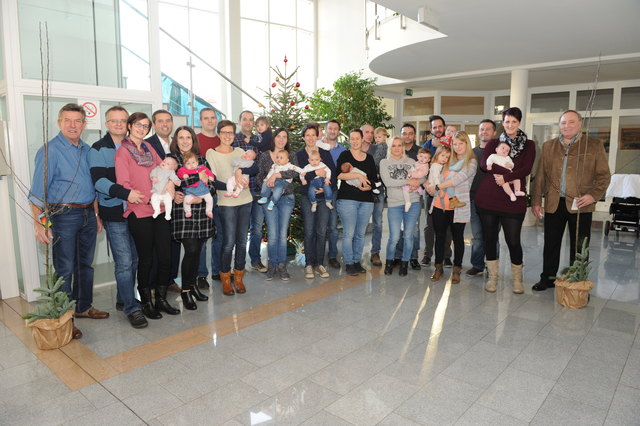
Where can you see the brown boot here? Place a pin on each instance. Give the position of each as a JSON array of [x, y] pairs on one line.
[[227, 289], [237, 281], [492, 267], [437, 273], [454, 203], [516, 274], [455, 275]]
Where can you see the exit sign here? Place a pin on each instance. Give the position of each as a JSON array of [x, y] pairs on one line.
[[408, 92]]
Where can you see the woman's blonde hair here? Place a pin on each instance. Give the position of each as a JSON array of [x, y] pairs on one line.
[[468, 153], [404, 153]]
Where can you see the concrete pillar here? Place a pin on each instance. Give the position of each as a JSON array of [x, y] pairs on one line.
[[519, 92]]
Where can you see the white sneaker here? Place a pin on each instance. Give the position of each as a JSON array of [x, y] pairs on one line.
[[308, 272], [320, 270]]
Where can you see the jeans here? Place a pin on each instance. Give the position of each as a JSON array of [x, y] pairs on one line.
[[376, 218], [398, 219], [315, 231], [255, 231], [416, 241], [443, 220], [152, 237], [235, 224], [355, 216], [125, 258], [216, 247], [318, 183], [74, 244], [429, 239], [477, 243], [278, 229], [332, 230], [276, 192]]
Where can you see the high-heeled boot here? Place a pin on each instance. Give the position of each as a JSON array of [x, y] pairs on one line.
[[161, 301], [195, 292], [148, 309], [237, 281], [187, 300]]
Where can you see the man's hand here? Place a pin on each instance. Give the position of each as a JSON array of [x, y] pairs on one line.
[[135, 197], [43, 235], [537, 211], [585, 201], [99, 224]]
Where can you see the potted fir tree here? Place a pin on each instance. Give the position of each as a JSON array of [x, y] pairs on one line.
[[573, 285]]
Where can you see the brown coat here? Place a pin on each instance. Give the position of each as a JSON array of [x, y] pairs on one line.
[[587, 173]]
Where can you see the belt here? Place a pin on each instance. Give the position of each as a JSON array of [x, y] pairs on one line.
[[72, 205]]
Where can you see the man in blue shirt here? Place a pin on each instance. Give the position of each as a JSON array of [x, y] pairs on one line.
[[332, 131], [73, 209]]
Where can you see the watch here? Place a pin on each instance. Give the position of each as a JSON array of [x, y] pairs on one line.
[[437, 188]]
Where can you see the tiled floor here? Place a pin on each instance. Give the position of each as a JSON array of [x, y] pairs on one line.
[[371, 349]]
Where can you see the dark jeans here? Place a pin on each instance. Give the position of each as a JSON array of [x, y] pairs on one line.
[[276, 192], [191, 260], [315, 231], [216, 247], [151, 235], [74, 244], [443, 220], [255, 237], [511, 226], [477, 242], [376, 222], [278, 229], [332, 230], [235, 224], [125, 258], [554, 226]]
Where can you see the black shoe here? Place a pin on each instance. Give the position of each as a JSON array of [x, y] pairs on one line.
[[137, 319], [396, 262], [542, 285], [447, 263], [404, 266], [119, 306], [203, 283], [359, 269], [333, 262], [388, 267], [150, 311], [473, 272], [162, 304], [351, 270], [426, 261], [215, 277], [187, 301], [195, 292], [414, 265]]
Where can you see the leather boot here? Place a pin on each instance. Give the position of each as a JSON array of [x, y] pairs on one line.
[[147, 306], [437, 273], [195, 292], [388, 267], [516, 273], [404, 269], [227, 288], [455, 275], [187, 299], [161, 301], [237, 281], [492, 282], [455, 203]]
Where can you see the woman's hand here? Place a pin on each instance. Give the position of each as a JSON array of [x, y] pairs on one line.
[[240, 179], [364, 187], [178, 197], [413, 183], [203, 177], [272, 180], [430, 188], [363, 180], [499, 180]]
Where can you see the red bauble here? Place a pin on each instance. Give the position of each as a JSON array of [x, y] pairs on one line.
[[292, 103], [306, 107], [272, 111], [285, 60], [297, 84], [273, 85]]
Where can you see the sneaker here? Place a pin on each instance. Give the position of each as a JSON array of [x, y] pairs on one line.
[[271, 272], [263, 200], [426, 261], [203, 283], [314, 207], [259, 267], [119, 306], [282, 270], [358, 268], [308, 272], [414, 264], [137, 319], [270, 205], [351, 270], [320, 270], [447, 263], [333, 262], [473, 272]]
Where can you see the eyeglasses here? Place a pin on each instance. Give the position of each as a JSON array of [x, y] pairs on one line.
[[117, 121], [226, 133], [142, 126]]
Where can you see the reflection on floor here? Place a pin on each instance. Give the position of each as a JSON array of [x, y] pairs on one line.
[[370, 349]]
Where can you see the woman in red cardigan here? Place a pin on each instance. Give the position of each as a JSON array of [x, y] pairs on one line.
[[494, 205]]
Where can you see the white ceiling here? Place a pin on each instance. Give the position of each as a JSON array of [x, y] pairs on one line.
[[559, 41]]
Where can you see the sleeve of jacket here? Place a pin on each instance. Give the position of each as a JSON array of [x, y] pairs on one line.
[[539, 182], [99, 170]]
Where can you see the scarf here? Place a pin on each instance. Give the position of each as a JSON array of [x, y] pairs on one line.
[[457, 166], [516, 144], [144, 158]]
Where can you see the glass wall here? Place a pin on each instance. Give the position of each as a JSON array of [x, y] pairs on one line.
[[418, 106], [628, 158], [603, 99], [103, 43], [630, 98], [549, 102]]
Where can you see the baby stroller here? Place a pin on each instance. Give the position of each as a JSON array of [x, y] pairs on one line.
[[625, 206]]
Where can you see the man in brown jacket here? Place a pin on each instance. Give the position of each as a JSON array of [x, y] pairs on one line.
[[572, 175]]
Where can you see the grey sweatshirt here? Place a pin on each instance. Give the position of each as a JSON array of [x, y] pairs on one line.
[[394, 176]]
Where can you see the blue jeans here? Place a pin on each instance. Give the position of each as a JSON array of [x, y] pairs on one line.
[[318, 183], [276, 192], [74, 244], [255, 231], [332, 230], [125, 258], [216, 247], [416, 241], [397, 218], [235, 224], [278, 229], [315, 231], [376, 218], [355, 217]]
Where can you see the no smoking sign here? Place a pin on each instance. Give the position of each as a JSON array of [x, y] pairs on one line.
[[92, 110]]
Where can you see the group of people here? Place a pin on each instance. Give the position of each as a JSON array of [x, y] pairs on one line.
[[156, 196]]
